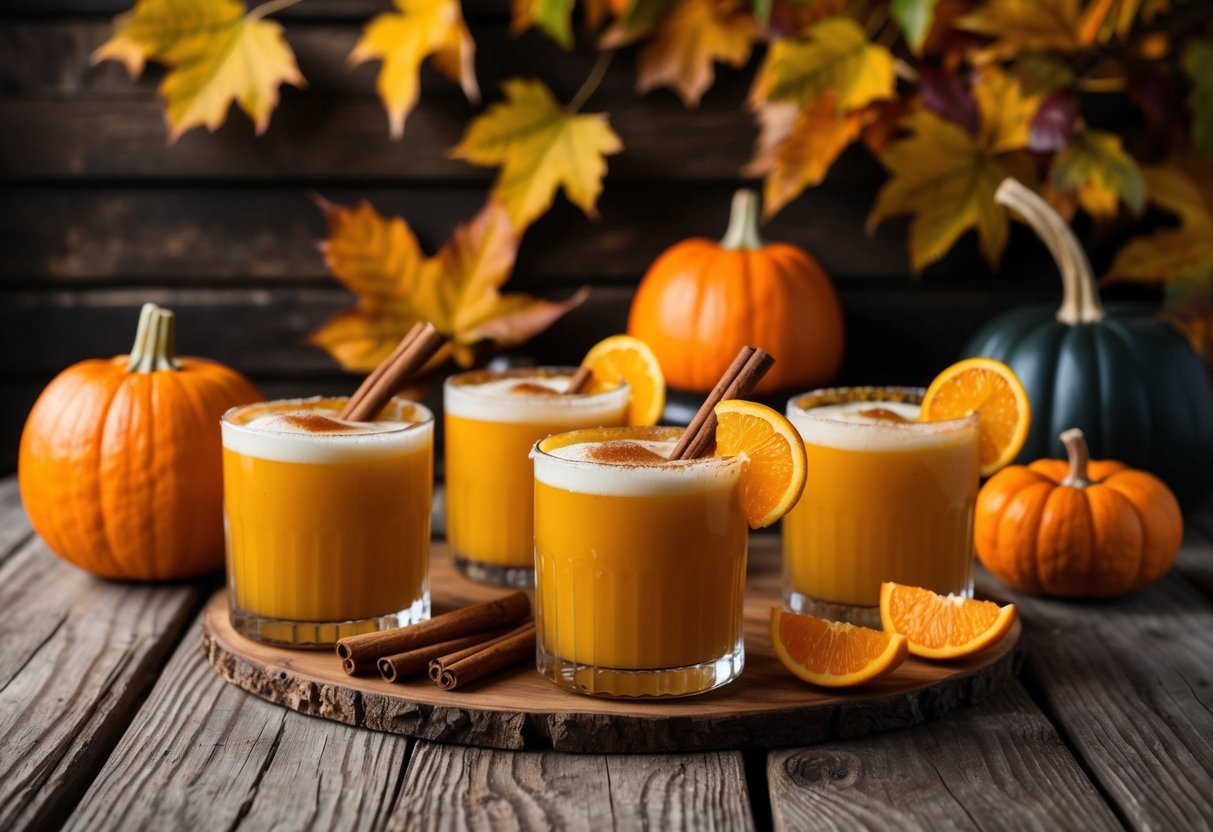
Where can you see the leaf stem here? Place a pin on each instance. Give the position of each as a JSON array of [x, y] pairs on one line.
[[591, 82], [269, 8]]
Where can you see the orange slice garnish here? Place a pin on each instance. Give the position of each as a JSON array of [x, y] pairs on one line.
[[831, 653], [622, 358], [774, 475], [942, 626], [990, 389]]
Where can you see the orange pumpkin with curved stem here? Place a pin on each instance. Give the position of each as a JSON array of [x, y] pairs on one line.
[[703, 300], [1076, 528], [120, 466]]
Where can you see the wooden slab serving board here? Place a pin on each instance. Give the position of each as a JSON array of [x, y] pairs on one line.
[[517, 708]]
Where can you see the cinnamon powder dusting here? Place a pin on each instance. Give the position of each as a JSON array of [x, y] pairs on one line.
[[624, 452], [317, 423], [527, 388], [883, 414]]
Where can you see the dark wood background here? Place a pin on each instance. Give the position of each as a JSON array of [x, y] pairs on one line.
[[98, 213]]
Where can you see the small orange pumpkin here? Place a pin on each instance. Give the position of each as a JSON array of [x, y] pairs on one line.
[[120, 466], [1076, 528], [701, 301]]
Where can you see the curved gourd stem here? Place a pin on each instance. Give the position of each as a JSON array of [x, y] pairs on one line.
[[1080, 296], [742, 233], [155, 341], [1076, 448]]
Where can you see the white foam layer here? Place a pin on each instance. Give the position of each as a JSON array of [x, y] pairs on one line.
[[494, 399], [844, 426], [572, 468], [251, 431]]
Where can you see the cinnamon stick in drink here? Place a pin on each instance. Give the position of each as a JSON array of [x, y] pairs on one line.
[[579, 381], [747, 369], [503, 652], [412, 662], [404, 363], [377, 374], [360, 653]]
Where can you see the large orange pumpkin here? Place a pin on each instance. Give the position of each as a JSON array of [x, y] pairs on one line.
[[701, 301], [1077, 529], [120, 466]]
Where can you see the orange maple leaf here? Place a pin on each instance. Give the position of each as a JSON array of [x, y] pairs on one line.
[[693, 36], [458, 289]]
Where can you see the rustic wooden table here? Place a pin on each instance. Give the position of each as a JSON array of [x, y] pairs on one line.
[[110, 718]]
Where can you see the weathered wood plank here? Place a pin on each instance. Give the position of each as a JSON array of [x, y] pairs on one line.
[[202, 754], [14, 525], [77, 655], [997, 765], [1128, 685], [228, 235], [450, 787], [895, 336]]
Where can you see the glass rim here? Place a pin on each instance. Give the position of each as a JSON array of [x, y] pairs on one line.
[[226, 420], [459, 382], [874, 394]]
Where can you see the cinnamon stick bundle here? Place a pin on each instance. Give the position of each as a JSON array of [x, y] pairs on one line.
[[466, 666], [413, 352], [747, 369], [360, 654], [412, 662]]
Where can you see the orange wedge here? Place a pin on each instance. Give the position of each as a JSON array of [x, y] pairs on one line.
[[622, 358], [942, 626], [774, 475], [990, 389], [833, 654]]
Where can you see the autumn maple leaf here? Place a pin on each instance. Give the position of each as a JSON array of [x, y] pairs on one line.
[[553, 17], [540, 147], [1095, 167], [687, 42], [458, 289], [1026, 26], [403, 40], [215, 53], [946, 176]]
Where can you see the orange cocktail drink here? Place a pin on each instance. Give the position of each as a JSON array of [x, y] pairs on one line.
[[328, 521], [888, 498], [640, 564], [492, 419]]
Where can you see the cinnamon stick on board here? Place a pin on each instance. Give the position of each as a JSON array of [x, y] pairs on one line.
[[747, 369], [503, 652], [360, 653], [439, 664], [578, 382], [411, 662], [404, 363]]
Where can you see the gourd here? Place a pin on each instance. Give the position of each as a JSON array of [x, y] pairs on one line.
[[1125, 377], [1077, 529], [120, 464], [702, 300]]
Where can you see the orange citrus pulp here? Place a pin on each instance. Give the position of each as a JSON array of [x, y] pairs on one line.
[[622, 358], [774, 475], [833, 654], [990, 389], [942, 626]]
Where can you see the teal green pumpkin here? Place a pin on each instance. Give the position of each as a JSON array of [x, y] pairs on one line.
[[1126, 378]]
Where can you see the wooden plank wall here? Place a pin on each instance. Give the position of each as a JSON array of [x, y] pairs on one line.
[[99, 213]]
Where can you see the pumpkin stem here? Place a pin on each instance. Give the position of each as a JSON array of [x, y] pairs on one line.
[[155, 341], [1076, 447], [742, 233], [1080, 295]]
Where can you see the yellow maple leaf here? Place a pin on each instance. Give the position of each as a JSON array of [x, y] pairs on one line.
[[215, 53], [1006, 113], [946, 180], [837, 58], [403, 40], [797, 146], [1026, 25], [540, 147], [689, 40], [551, 16], [458, 289], [1183, 187], [1095, 167]]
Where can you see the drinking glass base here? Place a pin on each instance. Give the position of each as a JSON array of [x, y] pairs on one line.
[[667, 683], [321, 634], [807, 605], [487, 573]]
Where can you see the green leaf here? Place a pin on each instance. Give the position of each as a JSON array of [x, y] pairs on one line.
[[553, 17], [915, 18], [1198, 61], [1096, 167]]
